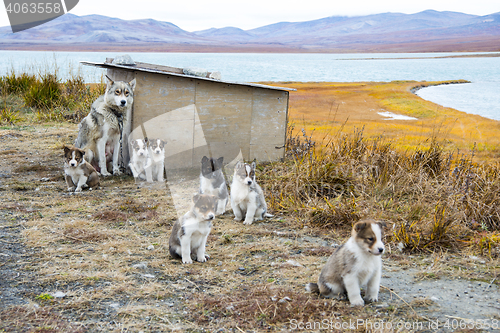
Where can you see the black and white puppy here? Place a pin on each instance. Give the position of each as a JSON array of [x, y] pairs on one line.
[[212, 182], [78, 172], [356, 263], [190, 232]]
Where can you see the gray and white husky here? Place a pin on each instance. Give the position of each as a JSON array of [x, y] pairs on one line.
[[247, 197], [212, 182], [108, 122]]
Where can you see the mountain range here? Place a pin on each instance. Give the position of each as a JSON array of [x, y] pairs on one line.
[[427, 31]]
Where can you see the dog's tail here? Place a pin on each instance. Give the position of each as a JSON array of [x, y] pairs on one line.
[[268, 215], [312, 288]]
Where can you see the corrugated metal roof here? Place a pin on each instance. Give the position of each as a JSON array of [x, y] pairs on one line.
[[157, 71]]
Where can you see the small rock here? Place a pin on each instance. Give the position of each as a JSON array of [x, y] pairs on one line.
[[123, 60], [274, 298], [285, 299], [195, 72], [219, 263], [434, 298], [149, 276], [382, 305], [59, 294], [151, 247], [293, 263], [229, 308], [241, 268], [115, 305], [215, 75], [44, 179], [141, 265]]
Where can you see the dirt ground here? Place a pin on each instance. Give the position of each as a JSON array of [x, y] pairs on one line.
[[98, 262]]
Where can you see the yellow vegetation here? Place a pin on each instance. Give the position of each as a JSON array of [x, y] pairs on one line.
[[326, 108]]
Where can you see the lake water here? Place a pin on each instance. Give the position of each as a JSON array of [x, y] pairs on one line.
[[482, 96]]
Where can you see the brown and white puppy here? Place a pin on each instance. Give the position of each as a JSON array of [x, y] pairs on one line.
[[190, 232], [157, 159], [78, 172], [356, 263], [247, 197]]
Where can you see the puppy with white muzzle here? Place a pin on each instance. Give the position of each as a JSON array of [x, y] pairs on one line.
[[139, 160], [247, 197], [190, 232], [356, 263], [157, 159], [78, 172]]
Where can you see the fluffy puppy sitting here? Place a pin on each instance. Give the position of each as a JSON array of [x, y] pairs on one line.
[[212, 182], [354, 264], [247, 197], [190, 232], [78, 172], [139, 161], [157, 159]]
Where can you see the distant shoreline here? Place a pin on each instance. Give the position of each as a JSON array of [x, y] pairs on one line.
[[256, 48]]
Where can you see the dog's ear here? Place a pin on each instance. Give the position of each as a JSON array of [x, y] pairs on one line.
[[132, 84], [253, 165], [359, 226], [66, 149], [220, 160], [109, 83], [204, 159], [196, 197]]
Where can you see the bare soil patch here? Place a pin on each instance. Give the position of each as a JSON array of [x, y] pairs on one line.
[[98, 262]]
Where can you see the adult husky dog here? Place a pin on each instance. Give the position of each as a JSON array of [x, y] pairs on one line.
[[100, 132]]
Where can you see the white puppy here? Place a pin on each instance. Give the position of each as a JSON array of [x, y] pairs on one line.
[[247, 198], [140, 161], [157, 158]]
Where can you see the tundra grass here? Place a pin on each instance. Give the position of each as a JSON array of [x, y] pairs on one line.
[[326, 109]]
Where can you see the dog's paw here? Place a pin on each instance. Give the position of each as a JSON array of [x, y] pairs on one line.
[[187, 261], [116, 172], [248, 222], [105, 174], [71, 189], [78, 189], [372, 298], [357, 302], [238, 219]]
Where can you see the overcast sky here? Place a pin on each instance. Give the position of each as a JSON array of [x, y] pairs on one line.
[[193, 15]]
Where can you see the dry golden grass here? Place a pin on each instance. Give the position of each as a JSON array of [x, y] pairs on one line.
[[327, 109]]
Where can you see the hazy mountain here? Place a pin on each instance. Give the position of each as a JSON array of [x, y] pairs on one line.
[[390, 32]]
